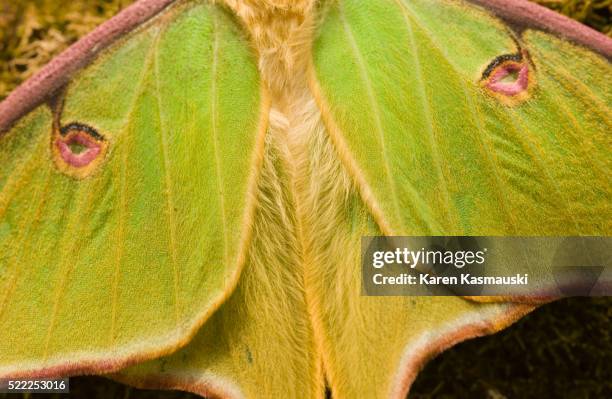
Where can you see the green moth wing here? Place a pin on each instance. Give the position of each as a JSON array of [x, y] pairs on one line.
[[456, 123], [125, 204], [448, 123], [259, 344], [374, 346], [414, 118], [278, 344], [373, 96], [444, 153]]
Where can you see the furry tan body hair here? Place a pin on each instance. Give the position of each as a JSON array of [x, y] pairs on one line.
[[281, 32]]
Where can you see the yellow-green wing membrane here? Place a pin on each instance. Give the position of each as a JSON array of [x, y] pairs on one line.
[[297, 313], [422, 96], [453, 123], [125, 207], [447, 123], [260, 343], [415, 131], [129, 205], [371, 347]]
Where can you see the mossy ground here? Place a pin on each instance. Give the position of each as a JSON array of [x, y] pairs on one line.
[[562, 350]]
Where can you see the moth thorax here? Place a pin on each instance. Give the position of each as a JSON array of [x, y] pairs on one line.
[[281, 34]]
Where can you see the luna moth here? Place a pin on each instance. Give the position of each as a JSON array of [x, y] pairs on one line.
[[183, 191]]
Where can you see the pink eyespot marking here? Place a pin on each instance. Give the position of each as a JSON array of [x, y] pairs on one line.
[[77, 148], [508, 78]]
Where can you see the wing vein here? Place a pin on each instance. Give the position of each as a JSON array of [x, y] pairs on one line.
[[427, 109], [544, 170], [570, 116], [374, 108], [120, 247], [485, 147], [22, 235], [215, 136], [569, 81], [167, 183], [19, 175], [72, 234]]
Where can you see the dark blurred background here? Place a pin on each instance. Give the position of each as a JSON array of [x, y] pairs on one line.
[[561, 350]]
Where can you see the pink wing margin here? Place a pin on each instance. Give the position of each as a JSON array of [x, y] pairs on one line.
[[57, 73], [526, 14]]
